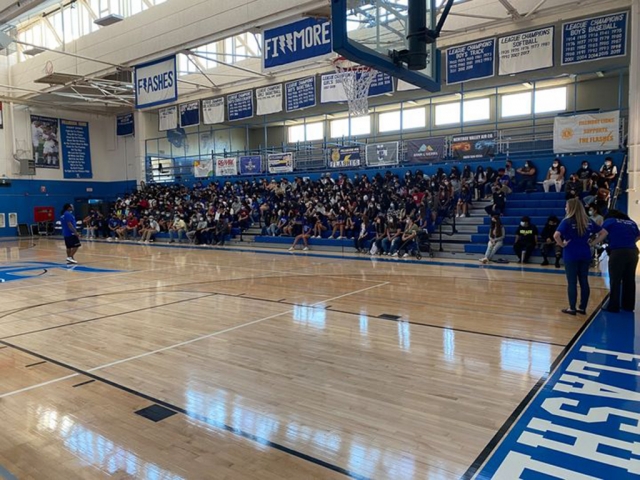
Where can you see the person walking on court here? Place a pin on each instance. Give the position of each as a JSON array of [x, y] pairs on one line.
[[69, 232], [573, 236], [623, 235]]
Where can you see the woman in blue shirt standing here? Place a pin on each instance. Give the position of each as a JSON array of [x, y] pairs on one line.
[[623, 235], [573, 236]]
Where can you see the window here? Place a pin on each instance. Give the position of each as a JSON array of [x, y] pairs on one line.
[[351, 127], [448, 113], [477, 110], [551, 100], [516, 104], [306, 132], [413, 118]]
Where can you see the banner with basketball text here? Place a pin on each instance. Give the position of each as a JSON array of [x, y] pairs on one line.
[[587, 133], [226, 167], [280, 162], [213, 111], [344, 157], [203, 168], [425, 150], [269, 99], [167, 118], [250, 164]]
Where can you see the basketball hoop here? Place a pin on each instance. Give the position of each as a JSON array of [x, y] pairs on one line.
[[356, 80]]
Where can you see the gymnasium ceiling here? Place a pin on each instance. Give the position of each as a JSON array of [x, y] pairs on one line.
[[468, 20]]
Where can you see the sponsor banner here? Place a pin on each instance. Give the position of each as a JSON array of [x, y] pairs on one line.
[[472, 61], [296, 43], [167, 118], [203, 168], [301, 94], [226, 167], [526, 51], [156, 82], [380, 154], [280, 162], [595, 38], [190, 114], [587, 133], [213, 111], [76, 152], [269, 99], [425, 150], [44, 140], [250, 164], [240, 105], [465, 147], [125, 125], [344, 157]]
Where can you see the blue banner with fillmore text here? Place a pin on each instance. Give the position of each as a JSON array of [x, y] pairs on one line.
[[296, 43], [76, 151]]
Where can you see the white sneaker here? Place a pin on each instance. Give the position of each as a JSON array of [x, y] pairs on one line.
[[340, 238], [406, 255], [71, 260], [291, 249], [109, 239], [305, 248], [395, 254]]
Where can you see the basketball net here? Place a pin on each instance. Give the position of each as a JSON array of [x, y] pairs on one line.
[[356, 80]]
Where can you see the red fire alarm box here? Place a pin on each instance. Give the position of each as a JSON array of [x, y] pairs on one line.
[[43, 214]]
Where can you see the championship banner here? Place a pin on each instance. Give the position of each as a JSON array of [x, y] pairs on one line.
[[213, 111], [125, 125], [425, 150], [156, 82], [250, 164], [226, 167], [296, 43], [332, 90], [44, 139], [344, 157], [466, 147], [167, 118], [269, 99], [587, 133], [382, 84], [301, 94], [280, 162], [380, 154], [472, 61], [595, 38], [76, 152], [190, 114], [203, 168], [526, 51], [240, 105]]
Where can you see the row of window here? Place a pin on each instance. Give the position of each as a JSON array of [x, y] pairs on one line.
[[476, 110]]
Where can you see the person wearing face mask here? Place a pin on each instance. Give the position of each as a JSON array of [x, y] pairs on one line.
[[555, 176], [526, 240], [573, 188], [609, 171], [548, 243], [584, 175], [527, 174], [496, 239], [573, 236]]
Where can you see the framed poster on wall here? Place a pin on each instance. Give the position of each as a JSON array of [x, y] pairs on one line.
[[13, 220]]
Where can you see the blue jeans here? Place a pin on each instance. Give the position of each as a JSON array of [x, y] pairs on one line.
[[578, 272]]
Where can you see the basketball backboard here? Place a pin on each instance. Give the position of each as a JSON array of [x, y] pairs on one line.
[[374, 33]]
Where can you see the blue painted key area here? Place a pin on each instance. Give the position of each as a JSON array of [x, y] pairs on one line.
[[584, 423]]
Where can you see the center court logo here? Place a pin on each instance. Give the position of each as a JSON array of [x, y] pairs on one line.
[[27, 270]]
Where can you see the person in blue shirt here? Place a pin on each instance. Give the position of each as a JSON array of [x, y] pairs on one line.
[[623, 235], [69, 232], [573, 235]]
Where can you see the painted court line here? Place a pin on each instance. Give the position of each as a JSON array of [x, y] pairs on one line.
[[43, 384]]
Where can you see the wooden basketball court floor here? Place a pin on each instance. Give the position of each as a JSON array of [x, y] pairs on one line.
[[271, 366]]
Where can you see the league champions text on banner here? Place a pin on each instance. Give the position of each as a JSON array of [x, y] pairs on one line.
[[280, 162], [213, 111], [344, 157], [156, 82], [240, 105], [595, 38], [125, 125], [226, 167], [466, 147], [587, 133], [526, 51], [301, 94], [76, 152], [425, 150], [269, 99], [167, 118], [296, 43], [190, 114], [472, 61]]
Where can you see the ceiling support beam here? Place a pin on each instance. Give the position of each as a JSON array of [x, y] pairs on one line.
[[535, 9], [511, 9]]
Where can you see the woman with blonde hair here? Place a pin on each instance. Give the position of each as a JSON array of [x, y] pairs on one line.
[[573, 236]]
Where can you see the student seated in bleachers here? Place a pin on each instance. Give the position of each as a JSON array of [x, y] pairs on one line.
[[599, 192], [584, 175], [510, 172], [496, 239], [555, 176], [480, 180], [526, 240], [492, 176], [464, 200], [527, 174], [178, 230], [609, 171], [391, 242], [304, 235], [409, 242], [573, 188], [549, 245], [498, 202], [362, 237]]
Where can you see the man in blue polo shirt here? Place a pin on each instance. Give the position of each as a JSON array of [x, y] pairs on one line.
[[69, 232]]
